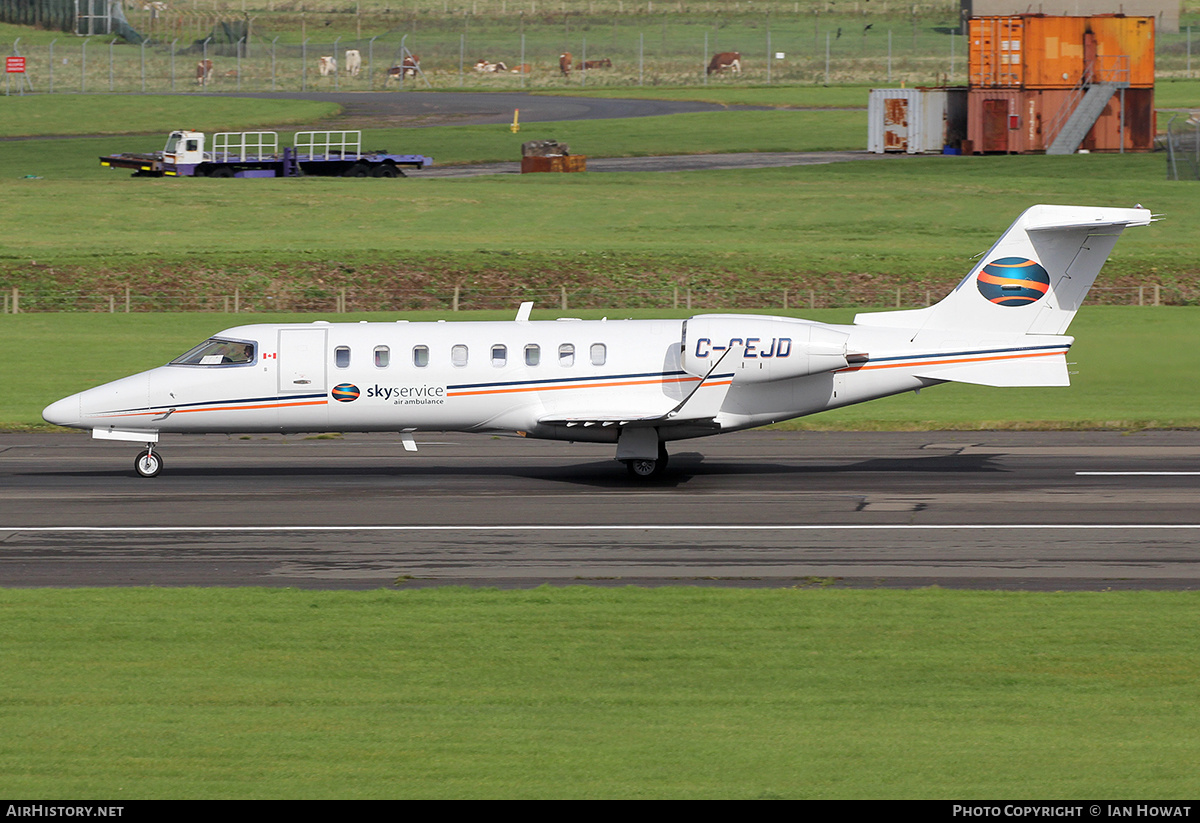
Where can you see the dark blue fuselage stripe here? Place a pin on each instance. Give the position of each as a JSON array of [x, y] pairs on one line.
[[216, 403]]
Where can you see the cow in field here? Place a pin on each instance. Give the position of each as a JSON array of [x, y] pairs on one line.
[[353, 62], [731, 60], [485, 67], [588, 65], [327, 65], [524, 68], [564, 63], [204, 70], [407, 68]]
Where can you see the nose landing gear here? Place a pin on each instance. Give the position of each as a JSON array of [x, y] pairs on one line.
[[148, 463]]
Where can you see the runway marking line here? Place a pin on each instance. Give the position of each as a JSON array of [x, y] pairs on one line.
[[544, 528], [1137, 474]]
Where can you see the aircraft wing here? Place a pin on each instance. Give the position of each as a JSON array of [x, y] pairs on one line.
[[702, 404]]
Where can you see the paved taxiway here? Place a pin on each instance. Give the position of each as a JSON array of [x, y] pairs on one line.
[[963, 509]]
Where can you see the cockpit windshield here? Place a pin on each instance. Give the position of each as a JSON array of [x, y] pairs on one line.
[[218, 352]]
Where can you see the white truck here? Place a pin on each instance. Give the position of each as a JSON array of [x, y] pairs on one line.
[[257, 154]]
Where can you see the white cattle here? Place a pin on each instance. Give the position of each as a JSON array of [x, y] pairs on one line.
[[353, 62], [327, 65]]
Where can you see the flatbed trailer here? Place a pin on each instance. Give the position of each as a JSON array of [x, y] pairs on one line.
[[257, 154]]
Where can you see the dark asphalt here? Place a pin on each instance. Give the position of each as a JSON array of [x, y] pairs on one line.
[[956, 509]]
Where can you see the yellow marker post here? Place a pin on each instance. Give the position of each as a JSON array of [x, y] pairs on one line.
[[516, 127]]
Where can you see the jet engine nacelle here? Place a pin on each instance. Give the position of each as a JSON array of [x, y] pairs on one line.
[[761, 349]]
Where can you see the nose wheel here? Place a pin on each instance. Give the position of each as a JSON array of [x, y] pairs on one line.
[[148, 463]]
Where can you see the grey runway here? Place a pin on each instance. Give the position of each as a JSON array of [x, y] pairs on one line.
[[963, 509]]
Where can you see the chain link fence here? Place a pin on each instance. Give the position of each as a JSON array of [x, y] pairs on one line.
[[1182, 140], [564, 299]]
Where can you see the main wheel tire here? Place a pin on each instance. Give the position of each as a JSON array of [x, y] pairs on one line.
[[647, 468], [644, 469], [148, 464]]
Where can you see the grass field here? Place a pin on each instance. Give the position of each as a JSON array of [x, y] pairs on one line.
[[598, 693], [1119, 382], [893, 222]]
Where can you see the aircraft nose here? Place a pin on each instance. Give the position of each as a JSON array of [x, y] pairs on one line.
[[65, 412]]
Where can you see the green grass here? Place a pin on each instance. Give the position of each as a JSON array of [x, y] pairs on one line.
[[1121, 381], [895, 220], [598, 693], [150, 114]]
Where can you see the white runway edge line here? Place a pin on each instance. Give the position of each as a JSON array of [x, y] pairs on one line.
[[1137, 474], [577, 528]]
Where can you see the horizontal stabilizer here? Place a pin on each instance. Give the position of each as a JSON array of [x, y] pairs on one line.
[[1049, 370]]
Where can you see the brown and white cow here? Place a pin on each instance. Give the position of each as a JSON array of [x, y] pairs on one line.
[[204, 70], [327, 65], [564, 63], [353, 62], [486, 67], [588, 65], [407, 68], [731, 60], [524, 68]]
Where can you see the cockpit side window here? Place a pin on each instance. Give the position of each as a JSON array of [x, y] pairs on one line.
[[217, 351]]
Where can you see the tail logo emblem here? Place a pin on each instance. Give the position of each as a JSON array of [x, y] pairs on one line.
[[345, 392], [1013, 281]]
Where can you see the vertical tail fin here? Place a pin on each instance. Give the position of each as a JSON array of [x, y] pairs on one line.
[[1032, 281]]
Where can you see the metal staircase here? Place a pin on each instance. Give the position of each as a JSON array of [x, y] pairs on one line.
[[1086, 103]]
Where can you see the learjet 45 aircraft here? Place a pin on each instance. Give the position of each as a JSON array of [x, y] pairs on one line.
[[635, 383]]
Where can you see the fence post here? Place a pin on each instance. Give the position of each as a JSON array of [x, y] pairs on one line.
[[454, 305], [1157, 294], [112, 304], [785, 299], [897, 297], [1141, 295], [812, 299], [237, 300], [16, 301], [563, 290], [127, 299]]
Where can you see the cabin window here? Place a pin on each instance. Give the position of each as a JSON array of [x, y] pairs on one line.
[[566, 354], [499, 355], [458, 355], [420, 356], [533, 354], [341, 357], [599, 354], [383, 357], [218, 352]]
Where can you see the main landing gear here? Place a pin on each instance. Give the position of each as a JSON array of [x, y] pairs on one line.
[[649, 468], [148, 463]]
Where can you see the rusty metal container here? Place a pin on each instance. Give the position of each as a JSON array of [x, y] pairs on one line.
[[1035, 51], [916, 121], [560, 162], [1016, 121]]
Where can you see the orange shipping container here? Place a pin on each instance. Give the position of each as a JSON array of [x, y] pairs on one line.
[[1035, 51], [1017, 121]]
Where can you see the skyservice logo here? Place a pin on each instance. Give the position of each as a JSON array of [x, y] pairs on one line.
[[1013, 281], [345, 392]]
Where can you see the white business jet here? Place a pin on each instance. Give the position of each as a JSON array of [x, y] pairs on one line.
[[634, 383]]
